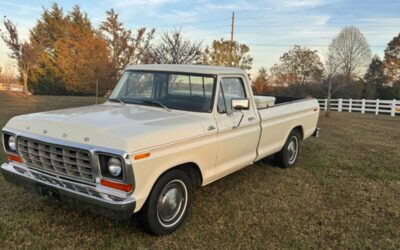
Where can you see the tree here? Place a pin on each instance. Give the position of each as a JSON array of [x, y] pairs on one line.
[[228, 54], [25, 53], [351, 51], [175, 49], [331, 67], [125, 48], [6, 74], [83, 60], [392, 60], [82, 55], [299, 66], [73, 56], [261, 83], [374, 77], [47, 77]]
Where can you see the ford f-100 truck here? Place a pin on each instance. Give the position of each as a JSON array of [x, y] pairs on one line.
[[164, 131]]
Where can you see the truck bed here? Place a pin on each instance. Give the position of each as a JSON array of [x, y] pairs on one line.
[[277, 122]]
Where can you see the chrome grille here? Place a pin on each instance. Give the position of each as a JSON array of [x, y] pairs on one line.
[[58, 159]]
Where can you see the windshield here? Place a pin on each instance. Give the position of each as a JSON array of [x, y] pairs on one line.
[[190, 92]]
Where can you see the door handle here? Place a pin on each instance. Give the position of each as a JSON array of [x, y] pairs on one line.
[[251, 118]]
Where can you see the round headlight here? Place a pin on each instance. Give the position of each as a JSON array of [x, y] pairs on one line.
[[114, 166], [12, 143]]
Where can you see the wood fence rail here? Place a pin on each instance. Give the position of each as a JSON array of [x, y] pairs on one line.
[[388, 107]]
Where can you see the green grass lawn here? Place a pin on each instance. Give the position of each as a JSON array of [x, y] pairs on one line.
[[343, 193]]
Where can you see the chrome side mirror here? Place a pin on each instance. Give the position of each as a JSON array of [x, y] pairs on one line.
[[240, 104]]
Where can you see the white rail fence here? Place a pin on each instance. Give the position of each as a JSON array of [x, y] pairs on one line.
[[387, 107]]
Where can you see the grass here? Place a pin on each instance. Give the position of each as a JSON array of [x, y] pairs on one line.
[[343, 193]]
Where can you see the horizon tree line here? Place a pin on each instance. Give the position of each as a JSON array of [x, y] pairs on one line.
[[66, 54]]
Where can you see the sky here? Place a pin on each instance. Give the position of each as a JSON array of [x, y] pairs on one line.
[[269, 27]]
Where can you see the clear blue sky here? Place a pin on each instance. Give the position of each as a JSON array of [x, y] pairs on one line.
[[269, 27]]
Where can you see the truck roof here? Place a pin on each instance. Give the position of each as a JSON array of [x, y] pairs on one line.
[[200, 69]]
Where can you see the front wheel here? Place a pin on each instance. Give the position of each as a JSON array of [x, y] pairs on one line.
[[168, 204], [287, 157]]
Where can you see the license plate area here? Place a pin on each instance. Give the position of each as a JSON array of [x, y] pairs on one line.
[[50, 193]]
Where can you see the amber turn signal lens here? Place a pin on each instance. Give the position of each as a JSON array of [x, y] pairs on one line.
[[15, 158], [115, 185], [141, 156]]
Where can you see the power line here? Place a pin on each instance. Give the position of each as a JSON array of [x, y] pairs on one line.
[[303, 45]]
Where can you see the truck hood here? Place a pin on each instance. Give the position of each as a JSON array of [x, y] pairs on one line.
[[118, 126]]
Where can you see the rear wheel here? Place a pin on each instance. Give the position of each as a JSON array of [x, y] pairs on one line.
[[287, 157], [169, 203]]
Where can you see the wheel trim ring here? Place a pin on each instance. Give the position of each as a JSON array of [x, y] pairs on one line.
[[293, 141], [182, 206]]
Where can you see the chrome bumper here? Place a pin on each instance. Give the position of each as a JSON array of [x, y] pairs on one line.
[[96, 199]]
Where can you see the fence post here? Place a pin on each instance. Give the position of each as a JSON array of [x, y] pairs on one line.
[[363, 106], [392, 112], [340, 104], [350, 104], [377, 107], [326, 104]]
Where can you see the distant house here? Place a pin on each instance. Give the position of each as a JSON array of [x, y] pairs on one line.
[[14, 87]]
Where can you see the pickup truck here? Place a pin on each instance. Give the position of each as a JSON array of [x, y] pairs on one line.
[[164, 131]]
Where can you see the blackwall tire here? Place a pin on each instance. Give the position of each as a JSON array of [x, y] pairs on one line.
[[168, 205]]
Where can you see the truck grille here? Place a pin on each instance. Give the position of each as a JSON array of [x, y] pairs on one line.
[[58, 159]]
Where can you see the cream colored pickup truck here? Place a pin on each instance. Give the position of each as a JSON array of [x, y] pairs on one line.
[[165, 130]]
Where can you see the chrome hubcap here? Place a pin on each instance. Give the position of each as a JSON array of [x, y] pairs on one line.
[[171, 203], [292, 149]]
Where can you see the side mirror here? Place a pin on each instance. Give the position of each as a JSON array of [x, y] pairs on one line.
[[240, 104]]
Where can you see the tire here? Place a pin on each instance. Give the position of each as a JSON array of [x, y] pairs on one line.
[[288, 155], [168, 205]]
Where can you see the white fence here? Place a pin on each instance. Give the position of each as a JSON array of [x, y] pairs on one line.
[[387, 107]]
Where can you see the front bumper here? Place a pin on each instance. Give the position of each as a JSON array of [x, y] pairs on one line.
[[89, 198]]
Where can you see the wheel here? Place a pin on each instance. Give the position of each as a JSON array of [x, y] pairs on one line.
[[288, 155], [168, 205]]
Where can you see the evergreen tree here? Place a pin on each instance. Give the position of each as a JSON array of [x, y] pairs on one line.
[[374, 78]]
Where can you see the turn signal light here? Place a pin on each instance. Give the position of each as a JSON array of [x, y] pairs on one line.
[[141, 156], [15, 158], [115, 185]]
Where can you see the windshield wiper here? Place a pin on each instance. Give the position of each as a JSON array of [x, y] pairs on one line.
[[156, 102], [116, 100]]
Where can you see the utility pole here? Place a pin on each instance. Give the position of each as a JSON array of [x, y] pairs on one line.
[[232, 25], [232, 29], [97, 89]]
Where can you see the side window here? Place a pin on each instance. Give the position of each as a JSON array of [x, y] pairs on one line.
[[231, 88]]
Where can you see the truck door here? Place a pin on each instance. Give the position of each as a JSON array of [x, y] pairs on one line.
[[238, 131]]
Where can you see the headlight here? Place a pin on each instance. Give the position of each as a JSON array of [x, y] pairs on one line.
[[12, 143], [111, 166], [114, 166]]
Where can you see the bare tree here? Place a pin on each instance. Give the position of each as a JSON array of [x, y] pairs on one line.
[[175, 49], [331, 71], [125, 47], [351, 51], [25, 53]]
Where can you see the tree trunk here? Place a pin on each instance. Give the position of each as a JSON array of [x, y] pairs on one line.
[[328, 103], [25, 75]]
